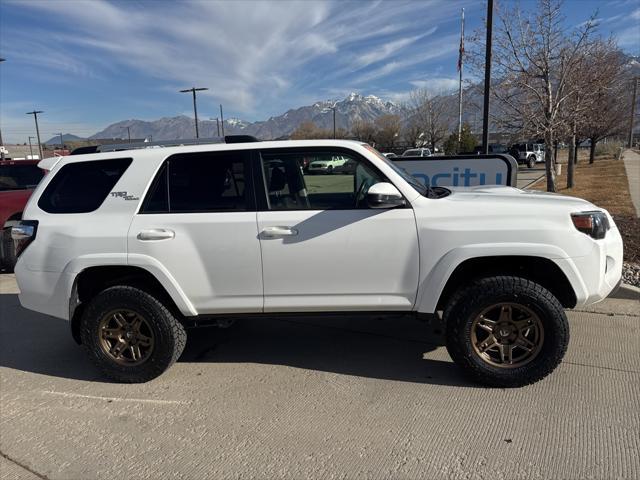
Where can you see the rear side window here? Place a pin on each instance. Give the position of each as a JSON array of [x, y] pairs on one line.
[[19, 177], [82, 187], [200, 182]]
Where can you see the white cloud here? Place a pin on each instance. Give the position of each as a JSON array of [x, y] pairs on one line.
[[437, 84]]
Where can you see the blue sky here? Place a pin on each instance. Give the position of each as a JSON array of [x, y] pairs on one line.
[[88, 63]]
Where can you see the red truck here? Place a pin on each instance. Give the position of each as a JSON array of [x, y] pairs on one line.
[[18, 178]]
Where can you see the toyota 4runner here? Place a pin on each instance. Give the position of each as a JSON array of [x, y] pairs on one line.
[[133, 246]]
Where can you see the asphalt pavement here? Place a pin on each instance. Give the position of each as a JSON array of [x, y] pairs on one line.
[[295, 398], [527, 176]]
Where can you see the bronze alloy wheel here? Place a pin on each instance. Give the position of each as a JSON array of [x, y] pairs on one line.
[[507, 335], [126, 337]]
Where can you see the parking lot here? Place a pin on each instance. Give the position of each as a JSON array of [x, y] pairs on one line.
[[293, 398]]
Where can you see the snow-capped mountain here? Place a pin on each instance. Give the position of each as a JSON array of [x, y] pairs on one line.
[[353, 107]]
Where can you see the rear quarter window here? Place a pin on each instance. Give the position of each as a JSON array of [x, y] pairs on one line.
[[82, 187]]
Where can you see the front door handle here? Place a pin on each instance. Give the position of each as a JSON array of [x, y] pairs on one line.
[[156, 234], [272, 232]]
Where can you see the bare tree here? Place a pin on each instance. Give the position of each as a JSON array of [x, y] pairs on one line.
[[363, 130], [412, 132], [533, 59], [428, 113], [606, 112], [388, 130]]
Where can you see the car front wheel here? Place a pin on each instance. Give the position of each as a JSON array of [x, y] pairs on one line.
[[531, 161], [506, 331], [130, 335]]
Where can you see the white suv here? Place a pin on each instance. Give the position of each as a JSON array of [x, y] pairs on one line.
[[132, 246]]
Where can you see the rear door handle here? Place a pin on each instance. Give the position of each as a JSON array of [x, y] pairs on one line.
[[156, 234], [272, 232]]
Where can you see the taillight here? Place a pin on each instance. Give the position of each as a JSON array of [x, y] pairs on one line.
[[23, 234], [594, 224]]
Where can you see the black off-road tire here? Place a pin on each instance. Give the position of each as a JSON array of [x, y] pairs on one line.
[[169, 334], [8, 260], [531, 161], [472, 299]]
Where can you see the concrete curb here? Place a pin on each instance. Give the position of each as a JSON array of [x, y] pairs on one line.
[[627, 292]]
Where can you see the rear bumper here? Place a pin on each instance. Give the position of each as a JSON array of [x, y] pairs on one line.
[[44, 292]]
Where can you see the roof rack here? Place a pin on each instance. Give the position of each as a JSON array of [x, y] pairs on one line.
[[118, 147]]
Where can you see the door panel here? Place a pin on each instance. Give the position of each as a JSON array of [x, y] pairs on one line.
[[340, 260], [214, 257], [323, 249], [199, 221]]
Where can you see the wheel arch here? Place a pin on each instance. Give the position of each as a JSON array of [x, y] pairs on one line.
[[541, 270], [94, 279]]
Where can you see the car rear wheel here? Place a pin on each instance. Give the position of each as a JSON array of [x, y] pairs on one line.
[[531, 161], [506, 331], [130, 335], [8, 260]]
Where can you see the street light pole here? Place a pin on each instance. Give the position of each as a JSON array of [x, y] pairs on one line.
[[35, 117], [222, 120], [128, 133], [633, 110], [1, 142], [61, 142], [31, 148], [334, 121], [193, 90]]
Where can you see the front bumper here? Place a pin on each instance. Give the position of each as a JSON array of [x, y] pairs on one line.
[[601, 270]]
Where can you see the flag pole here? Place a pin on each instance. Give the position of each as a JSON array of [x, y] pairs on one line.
[[460, 67]]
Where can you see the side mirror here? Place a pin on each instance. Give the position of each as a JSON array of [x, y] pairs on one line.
[[384, 195]]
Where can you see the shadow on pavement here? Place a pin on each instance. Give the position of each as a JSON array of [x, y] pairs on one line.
[[380, 348]]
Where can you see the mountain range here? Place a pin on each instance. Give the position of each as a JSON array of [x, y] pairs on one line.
[[353, 107]]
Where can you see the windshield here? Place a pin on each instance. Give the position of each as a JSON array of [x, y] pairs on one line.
[[19, 177], [411, 180]]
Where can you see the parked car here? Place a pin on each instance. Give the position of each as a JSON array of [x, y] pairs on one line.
[[528, 153], [347, 168], [390, 155], [18, 178], [325, 164], [134, 246], [493, 148], [417, 152]]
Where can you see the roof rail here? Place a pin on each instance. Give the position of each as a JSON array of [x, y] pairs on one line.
[[240, 139], [118, 147]]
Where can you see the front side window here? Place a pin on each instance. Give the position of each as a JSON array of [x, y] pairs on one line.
[[199, 182], [317, 180], [81, 187]]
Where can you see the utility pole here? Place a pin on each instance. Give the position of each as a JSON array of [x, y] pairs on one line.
[[487, 80], [35, 117], [217, 124], [128, 133], [633, 110], [30, 147], [334, 122], [460, 68], [222, 120], [193, 90], [61, 142], [1, 142]]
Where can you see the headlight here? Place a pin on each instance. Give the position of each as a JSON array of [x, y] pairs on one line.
[[594, 224]]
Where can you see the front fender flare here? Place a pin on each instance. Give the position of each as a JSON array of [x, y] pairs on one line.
[[433, 284]]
